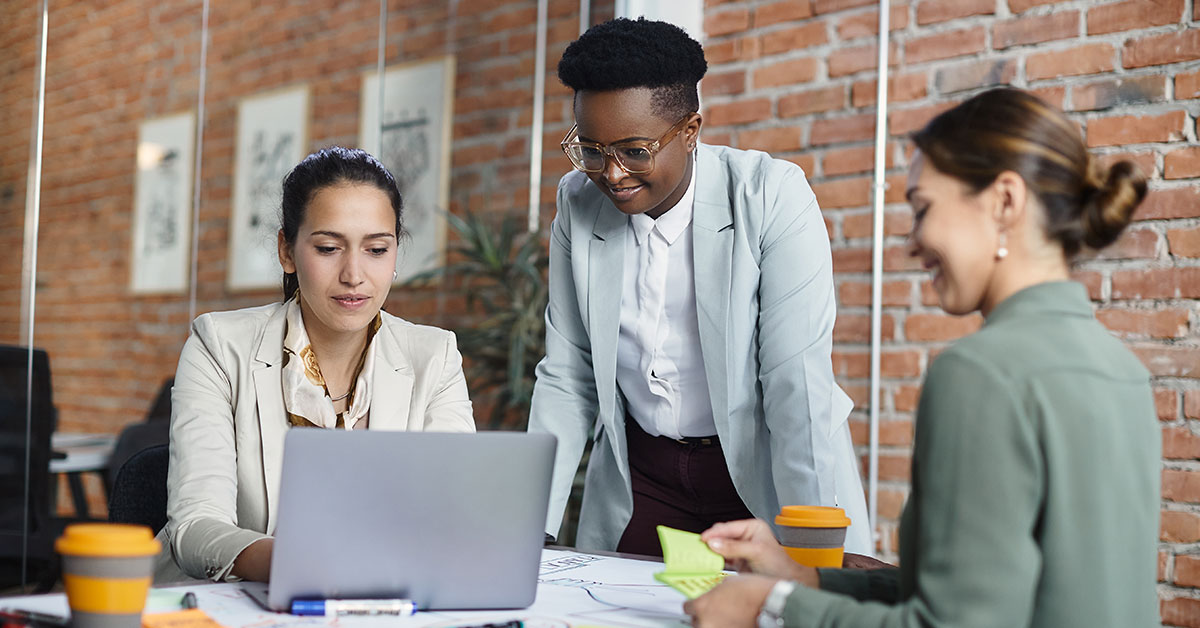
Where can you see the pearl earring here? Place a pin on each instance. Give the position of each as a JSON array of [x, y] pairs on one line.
[[1002, 252]]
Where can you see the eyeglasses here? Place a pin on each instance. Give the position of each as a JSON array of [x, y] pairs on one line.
[[634, 156]]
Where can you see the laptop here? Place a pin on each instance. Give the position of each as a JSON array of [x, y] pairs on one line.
[[448, 521]]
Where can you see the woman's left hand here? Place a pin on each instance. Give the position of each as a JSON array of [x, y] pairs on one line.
[[735, 602]]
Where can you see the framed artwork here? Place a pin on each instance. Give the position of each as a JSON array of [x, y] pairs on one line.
[[272, 137], [412, 138], [162, 227]]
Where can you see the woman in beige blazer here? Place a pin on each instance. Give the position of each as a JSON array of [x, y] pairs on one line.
[[328, 356]]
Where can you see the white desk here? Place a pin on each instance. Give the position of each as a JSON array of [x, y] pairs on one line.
[[84, 453], [574, 589]]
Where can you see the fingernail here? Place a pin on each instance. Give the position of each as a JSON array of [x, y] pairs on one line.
[[715, 544]]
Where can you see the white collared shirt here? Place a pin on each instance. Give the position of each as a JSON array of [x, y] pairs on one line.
[[660, 369]]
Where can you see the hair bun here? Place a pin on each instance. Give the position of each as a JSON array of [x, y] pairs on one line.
[[1109, 202]]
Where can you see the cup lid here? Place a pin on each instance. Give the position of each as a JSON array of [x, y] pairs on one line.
[[107, 539], [812, 517]]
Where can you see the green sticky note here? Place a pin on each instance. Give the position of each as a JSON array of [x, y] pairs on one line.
[[691, 568]]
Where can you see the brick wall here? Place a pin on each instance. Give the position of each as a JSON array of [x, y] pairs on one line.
[[797, 78], [113, 64]]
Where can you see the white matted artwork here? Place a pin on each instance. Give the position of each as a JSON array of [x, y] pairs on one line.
[[162, 205], [272, 135], [418, 101]]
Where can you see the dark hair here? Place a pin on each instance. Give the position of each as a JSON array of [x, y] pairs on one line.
[[329, 167], [1007, 129], [625, 53]]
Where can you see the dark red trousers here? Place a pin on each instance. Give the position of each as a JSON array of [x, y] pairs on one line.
[[682, 485]]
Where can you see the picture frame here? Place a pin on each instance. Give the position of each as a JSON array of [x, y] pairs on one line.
[[162, 208], [272, 137], [418, 105]]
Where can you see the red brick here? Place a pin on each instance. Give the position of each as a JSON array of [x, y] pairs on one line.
[[1184, 242], [900, 258], [858, 293], [1036, 29], [1021, 6], [894, 468], [1051, 95], [807, 163], [856, 328], [821, 7], [1182, 163], [1170, 203], [724, 83], [1179, 527], [939, 327], [1187, 571], [1085, 59], [862, 225], [1191, 404], [794, 38], [945, 45], [1133, 14], [785, 11], [812, 101], [739, 112], [1170, 361], [905, 398], [903, 88], [1187, 85], [867, 24], [1116, 92], [1116, 130], [904, 121], [841, 130], [726, 22], [1156, 283], [1162, 49], [975, 74], [853, 192], [772, 140], [1162, 565], [1182, 486], [740, 49], [850, 60], [1091, 280], [934, 11], [1133, 244], [1127, 323], [851, 260], [890, 503], [1184, 612], [786, 73], [1166, 404]]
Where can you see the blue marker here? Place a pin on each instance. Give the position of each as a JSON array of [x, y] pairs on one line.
[[333, 608]]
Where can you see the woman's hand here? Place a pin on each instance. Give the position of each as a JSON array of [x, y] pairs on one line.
[[750, 546], [254, 563], [736, 602]]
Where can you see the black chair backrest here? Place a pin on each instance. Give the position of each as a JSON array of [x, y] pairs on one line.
[[14, 399], [139, 494]]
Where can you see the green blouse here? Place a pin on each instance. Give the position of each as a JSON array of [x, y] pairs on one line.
[[1035, 485]]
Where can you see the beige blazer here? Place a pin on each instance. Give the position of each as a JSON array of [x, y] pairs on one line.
[[228, 423]]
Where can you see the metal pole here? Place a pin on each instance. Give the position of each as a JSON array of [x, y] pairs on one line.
[[538, 125], [33, 199], [879, 187], [585, 15], [379, 59], [196, 183]]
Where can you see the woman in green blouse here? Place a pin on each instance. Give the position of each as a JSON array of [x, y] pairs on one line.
[[1035, 477]]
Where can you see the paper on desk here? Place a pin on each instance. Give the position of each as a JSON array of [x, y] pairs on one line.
[[691, 567], [187, 618]]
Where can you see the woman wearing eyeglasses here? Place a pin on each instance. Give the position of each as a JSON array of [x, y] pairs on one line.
[[691, 310]]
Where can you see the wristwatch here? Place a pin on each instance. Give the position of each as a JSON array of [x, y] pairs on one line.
[[771, 615]]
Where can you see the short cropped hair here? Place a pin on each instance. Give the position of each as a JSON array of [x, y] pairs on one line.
[[625, 53]]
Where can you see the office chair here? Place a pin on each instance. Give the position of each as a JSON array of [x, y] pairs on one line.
[[15, 511], [139, 494]]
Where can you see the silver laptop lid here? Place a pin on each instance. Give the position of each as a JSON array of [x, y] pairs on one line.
[[450, 521]]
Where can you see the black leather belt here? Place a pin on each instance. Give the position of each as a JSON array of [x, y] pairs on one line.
[[698, 440]]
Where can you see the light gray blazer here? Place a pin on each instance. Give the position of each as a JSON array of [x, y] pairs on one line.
[[228, 422], [765, 301]]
